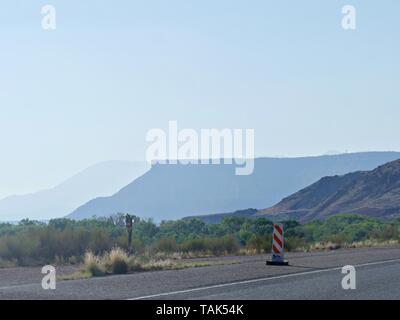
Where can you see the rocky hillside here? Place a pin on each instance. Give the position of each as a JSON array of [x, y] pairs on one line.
[[373, 193]]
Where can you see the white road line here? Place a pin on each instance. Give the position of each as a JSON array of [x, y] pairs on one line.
[[20, 286], [259, 280]]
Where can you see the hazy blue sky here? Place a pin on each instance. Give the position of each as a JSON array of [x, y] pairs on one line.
[[90, 90]]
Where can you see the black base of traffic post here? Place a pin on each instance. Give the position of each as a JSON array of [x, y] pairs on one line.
[[277, 263]]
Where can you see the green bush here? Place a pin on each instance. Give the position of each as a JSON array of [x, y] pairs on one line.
[[260, 243], [167, 245], [194, 245], [217, 246], [294, 243], [62, 240]]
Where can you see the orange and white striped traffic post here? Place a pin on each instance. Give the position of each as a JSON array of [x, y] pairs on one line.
[[278, 245]]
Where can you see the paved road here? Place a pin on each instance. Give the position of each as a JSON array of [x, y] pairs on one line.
[[310, 276]]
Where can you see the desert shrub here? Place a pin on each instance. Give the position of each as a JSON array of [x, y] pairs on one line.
[[145, 230], [261, 226], [260, 243], [100, 241], [217, 246], [245, 234], [256, 243], [21, 248], [7, 229], [137, 245], [294, 244], [165, 245], [389, 232], [338, 239], [229, 244], [93, 265], [232, 225], [195, 245], [116, 261], [182, 230], [61, 223]]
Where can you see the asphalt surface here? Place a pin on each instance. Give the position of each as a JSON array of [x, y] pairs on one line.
[[309, 276]]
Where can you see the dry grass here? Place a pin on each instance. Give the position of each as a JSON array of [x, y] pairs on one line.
[[152, 264], [249, 252], [8, 264], [327, 246], [185, 255], [116, 261], [158, 265], [75, 276], [93, 265], [169, 264], [372, 243]]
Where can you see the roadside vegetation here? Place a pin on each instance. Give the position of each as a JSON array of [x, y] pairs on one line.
[[100, 245]]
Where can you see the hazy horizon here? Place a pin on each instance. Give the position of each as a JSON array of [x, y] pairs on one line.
[[67, 178], [89, 91]]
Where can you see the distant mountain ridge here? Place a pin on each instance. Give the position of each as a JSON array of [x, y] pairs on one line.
[[177, 191], [374, 193], [101, 179]]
